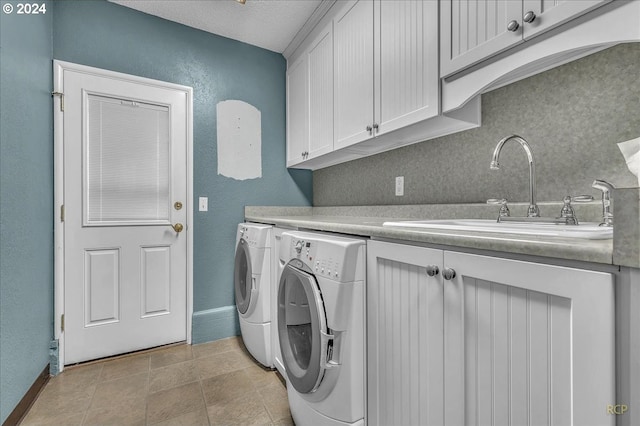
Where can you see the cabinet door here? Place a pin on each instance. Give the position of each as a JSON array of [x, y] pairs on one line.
[[406, 70], [353, 42], [527, 343], [550, 13], [297, 111], [404, 335], [320, 58], [473, 30]]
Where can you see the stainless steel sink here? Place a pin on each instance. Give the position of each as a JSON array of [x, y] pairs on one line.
[[586, 230]]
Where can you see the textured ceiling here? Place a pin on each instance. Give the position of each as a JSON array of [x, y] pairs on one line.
[[270, 24]]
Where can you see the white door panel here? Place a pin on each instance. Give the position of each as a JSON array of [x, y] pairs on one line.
[[353, 71], [125, 167]]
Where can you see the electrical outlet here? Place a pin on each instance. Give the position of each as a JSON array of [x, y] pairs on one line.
[[399, 186], [203, 204]]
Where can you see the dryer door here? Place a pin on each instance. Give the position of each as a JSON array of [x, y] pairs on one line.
[[302, 328], [242, 277]]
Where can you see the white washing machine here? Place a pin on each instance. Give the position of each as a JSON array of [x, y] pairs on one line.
[[253, 289], [321, 327]]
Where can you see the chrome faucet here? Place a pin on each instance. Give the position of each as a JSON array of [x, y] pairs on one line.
[[607, 189], [533, 210]]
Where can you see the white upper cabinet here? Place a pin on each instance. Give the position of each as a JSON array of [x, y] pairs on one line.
[[310, 102], [406, 72], [477, 58], [320, 57], [371, 83], [474, 30], [297, 110], [354, 94], [386, 67]]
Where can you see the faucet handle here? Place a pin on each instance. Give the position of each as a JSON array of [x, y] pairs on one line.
[[581, 198], [567, 212], [504, 209]]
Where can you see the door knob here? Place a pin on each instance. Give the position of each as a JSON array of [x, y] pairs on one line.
[[448, 273], [432, 270], [178, 227], [529, 17]]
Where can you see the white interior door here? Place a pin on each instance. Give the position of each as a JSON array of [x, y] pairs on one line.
[[125, 180]]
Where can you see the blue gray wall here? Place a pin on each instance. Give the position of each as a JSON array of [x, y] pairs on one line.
[[105, 35], [109, 36], [26, 203]]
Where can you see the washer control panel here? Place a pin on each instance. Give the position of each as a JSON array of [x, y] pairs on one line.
[[320, 260]]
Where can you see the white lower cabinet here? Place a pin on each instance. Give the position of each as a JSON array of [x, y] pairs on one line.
[[501, 342]]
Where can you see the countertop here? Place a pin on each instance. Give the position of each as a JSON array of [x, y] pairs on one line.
[[367, 221]]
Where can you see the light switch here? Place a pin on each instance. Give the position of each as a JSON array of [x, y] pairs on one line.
[[399, 186], [203, 204]]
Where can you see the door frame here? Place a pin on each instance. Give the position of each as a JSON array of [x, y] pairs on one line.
[[58, 154]]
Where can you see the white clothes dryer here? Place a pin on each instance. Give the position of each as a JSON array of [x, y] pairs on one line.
[[321, 327], [253, 288]]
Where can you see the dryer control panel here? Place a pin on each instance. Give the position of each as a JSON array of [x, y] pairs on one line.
[[255, 235]]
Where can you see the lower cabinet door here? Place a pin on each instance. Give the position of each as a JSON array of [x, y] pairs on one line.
[[527, 343], [404, 335]]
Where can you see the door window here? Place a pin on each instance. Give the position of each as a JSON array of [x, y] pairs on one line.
[[127, 151]]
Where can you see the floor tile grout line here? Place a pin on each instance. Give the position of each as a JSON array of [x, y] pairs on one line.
[[146, 398], [204, 400], [95, 389]]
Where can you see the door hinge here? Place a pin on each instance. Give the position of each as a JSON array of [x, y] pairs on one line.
[[61, 99], [62, 213], [62, 322]]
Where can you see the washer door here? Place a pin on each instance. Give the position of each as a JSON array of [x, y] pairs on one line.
[[242, 277], [302, 328]]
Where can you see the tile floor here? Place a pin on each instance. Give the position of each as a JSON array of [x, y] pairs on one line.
[[215, 383]]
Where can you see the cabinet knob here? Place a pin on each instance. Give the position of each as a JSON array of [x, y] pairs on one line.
[[529, 17], [432, 270], [513, 26], [375, 127], [369, 129], [448, 273]]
